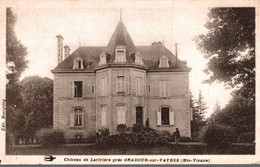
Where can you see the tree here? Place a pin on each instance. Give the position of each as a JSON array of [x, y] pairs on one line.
[[37, 97], [16, 63], [198, 110], [229, 46], [16, 52]]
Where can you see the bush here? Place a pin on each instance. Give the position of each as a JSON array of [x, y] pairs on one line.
[[105, 132], [142, 138], [218, 135], [248, 137], [137, 127], [50, 137], [185, 139], [121, 128]]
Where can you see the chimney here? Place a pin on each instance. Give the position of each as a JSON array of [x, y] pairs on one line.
[[176, 54], [60, 48], [66, 51]]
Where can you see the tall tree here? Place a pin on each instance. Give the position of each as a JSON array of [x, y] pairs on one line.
[[229, 46], [16, 63], [37, 96], [198, 110], [15, 51]]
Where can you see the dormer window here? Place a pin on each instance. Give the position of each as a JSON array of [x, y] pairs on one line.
[[120, 55], [103, 59], [78, 64], [163, 62], [138, 59]]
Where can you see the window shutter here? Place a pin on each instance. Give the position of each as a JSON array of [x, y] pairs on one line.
[[161, 89], [103, 116], [71, 89], [119, 116], [123, 114], [82, 67], [172, 117], [159, 118], [72, 118], [105, 86], [83, 118], [74, 65], [127, 84], [168, 90], [114, 85]]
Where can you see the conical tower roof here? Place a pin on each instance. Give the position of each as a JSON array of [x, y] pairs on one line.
[[121, 37]]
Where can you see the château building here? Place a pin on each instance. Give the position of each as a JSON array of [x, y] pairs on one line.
[[104, 86]]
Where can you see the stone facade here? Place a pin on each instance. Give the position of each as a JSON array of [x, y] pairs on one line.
[[101, 87]]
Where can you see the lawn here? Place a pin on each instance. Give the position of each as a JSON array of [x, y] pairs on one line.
[[157, 150]]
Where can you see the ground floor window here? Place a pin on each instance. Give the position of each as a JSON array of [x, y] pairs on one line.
[[121, 114], [165, 116], [77, 117]]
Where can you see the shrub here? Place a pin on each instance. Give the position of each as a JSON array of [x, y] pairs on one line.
[[142, 138], [218, 135], [185, 139], [10, 139], [50, 137], [91, 139], [248, 137], [121, 128], [137, 127], [105, 132]]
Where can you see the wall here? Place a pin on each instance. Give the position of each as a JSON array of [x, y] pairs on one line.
[[178, 100], [63, 104], [131, 100]]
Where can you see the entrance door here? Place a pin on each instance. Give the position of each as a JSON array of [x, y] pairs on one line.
[[139, 115]]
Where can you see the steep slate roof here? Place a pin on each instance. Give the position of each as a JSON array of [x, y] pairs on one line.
[[150, 55], [121, 37]]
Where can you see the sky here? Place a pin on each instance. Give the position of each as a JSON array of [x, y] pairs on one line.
[[91, 23]]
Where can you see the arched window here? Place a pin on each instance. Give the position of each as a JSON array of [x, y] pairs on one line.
[[77, 117]]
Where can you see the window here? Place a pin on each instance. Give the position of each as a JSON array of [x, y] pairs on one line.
[[163, 62], [78, 89], [165, 116], [102, 59], [138, 86], [120, 85], [138, 59], [164, 89], [121, 114], [78, 64], [103, 86], [77, 117], [120, 56], [103, 116], [92, 89]]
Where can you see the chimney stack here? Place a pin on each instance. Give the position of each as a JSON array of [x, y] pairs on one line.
[[66, 51], [60, 48]]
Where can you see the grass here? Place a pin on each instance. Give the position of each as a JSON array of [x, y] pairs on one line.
[[157, 150]]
